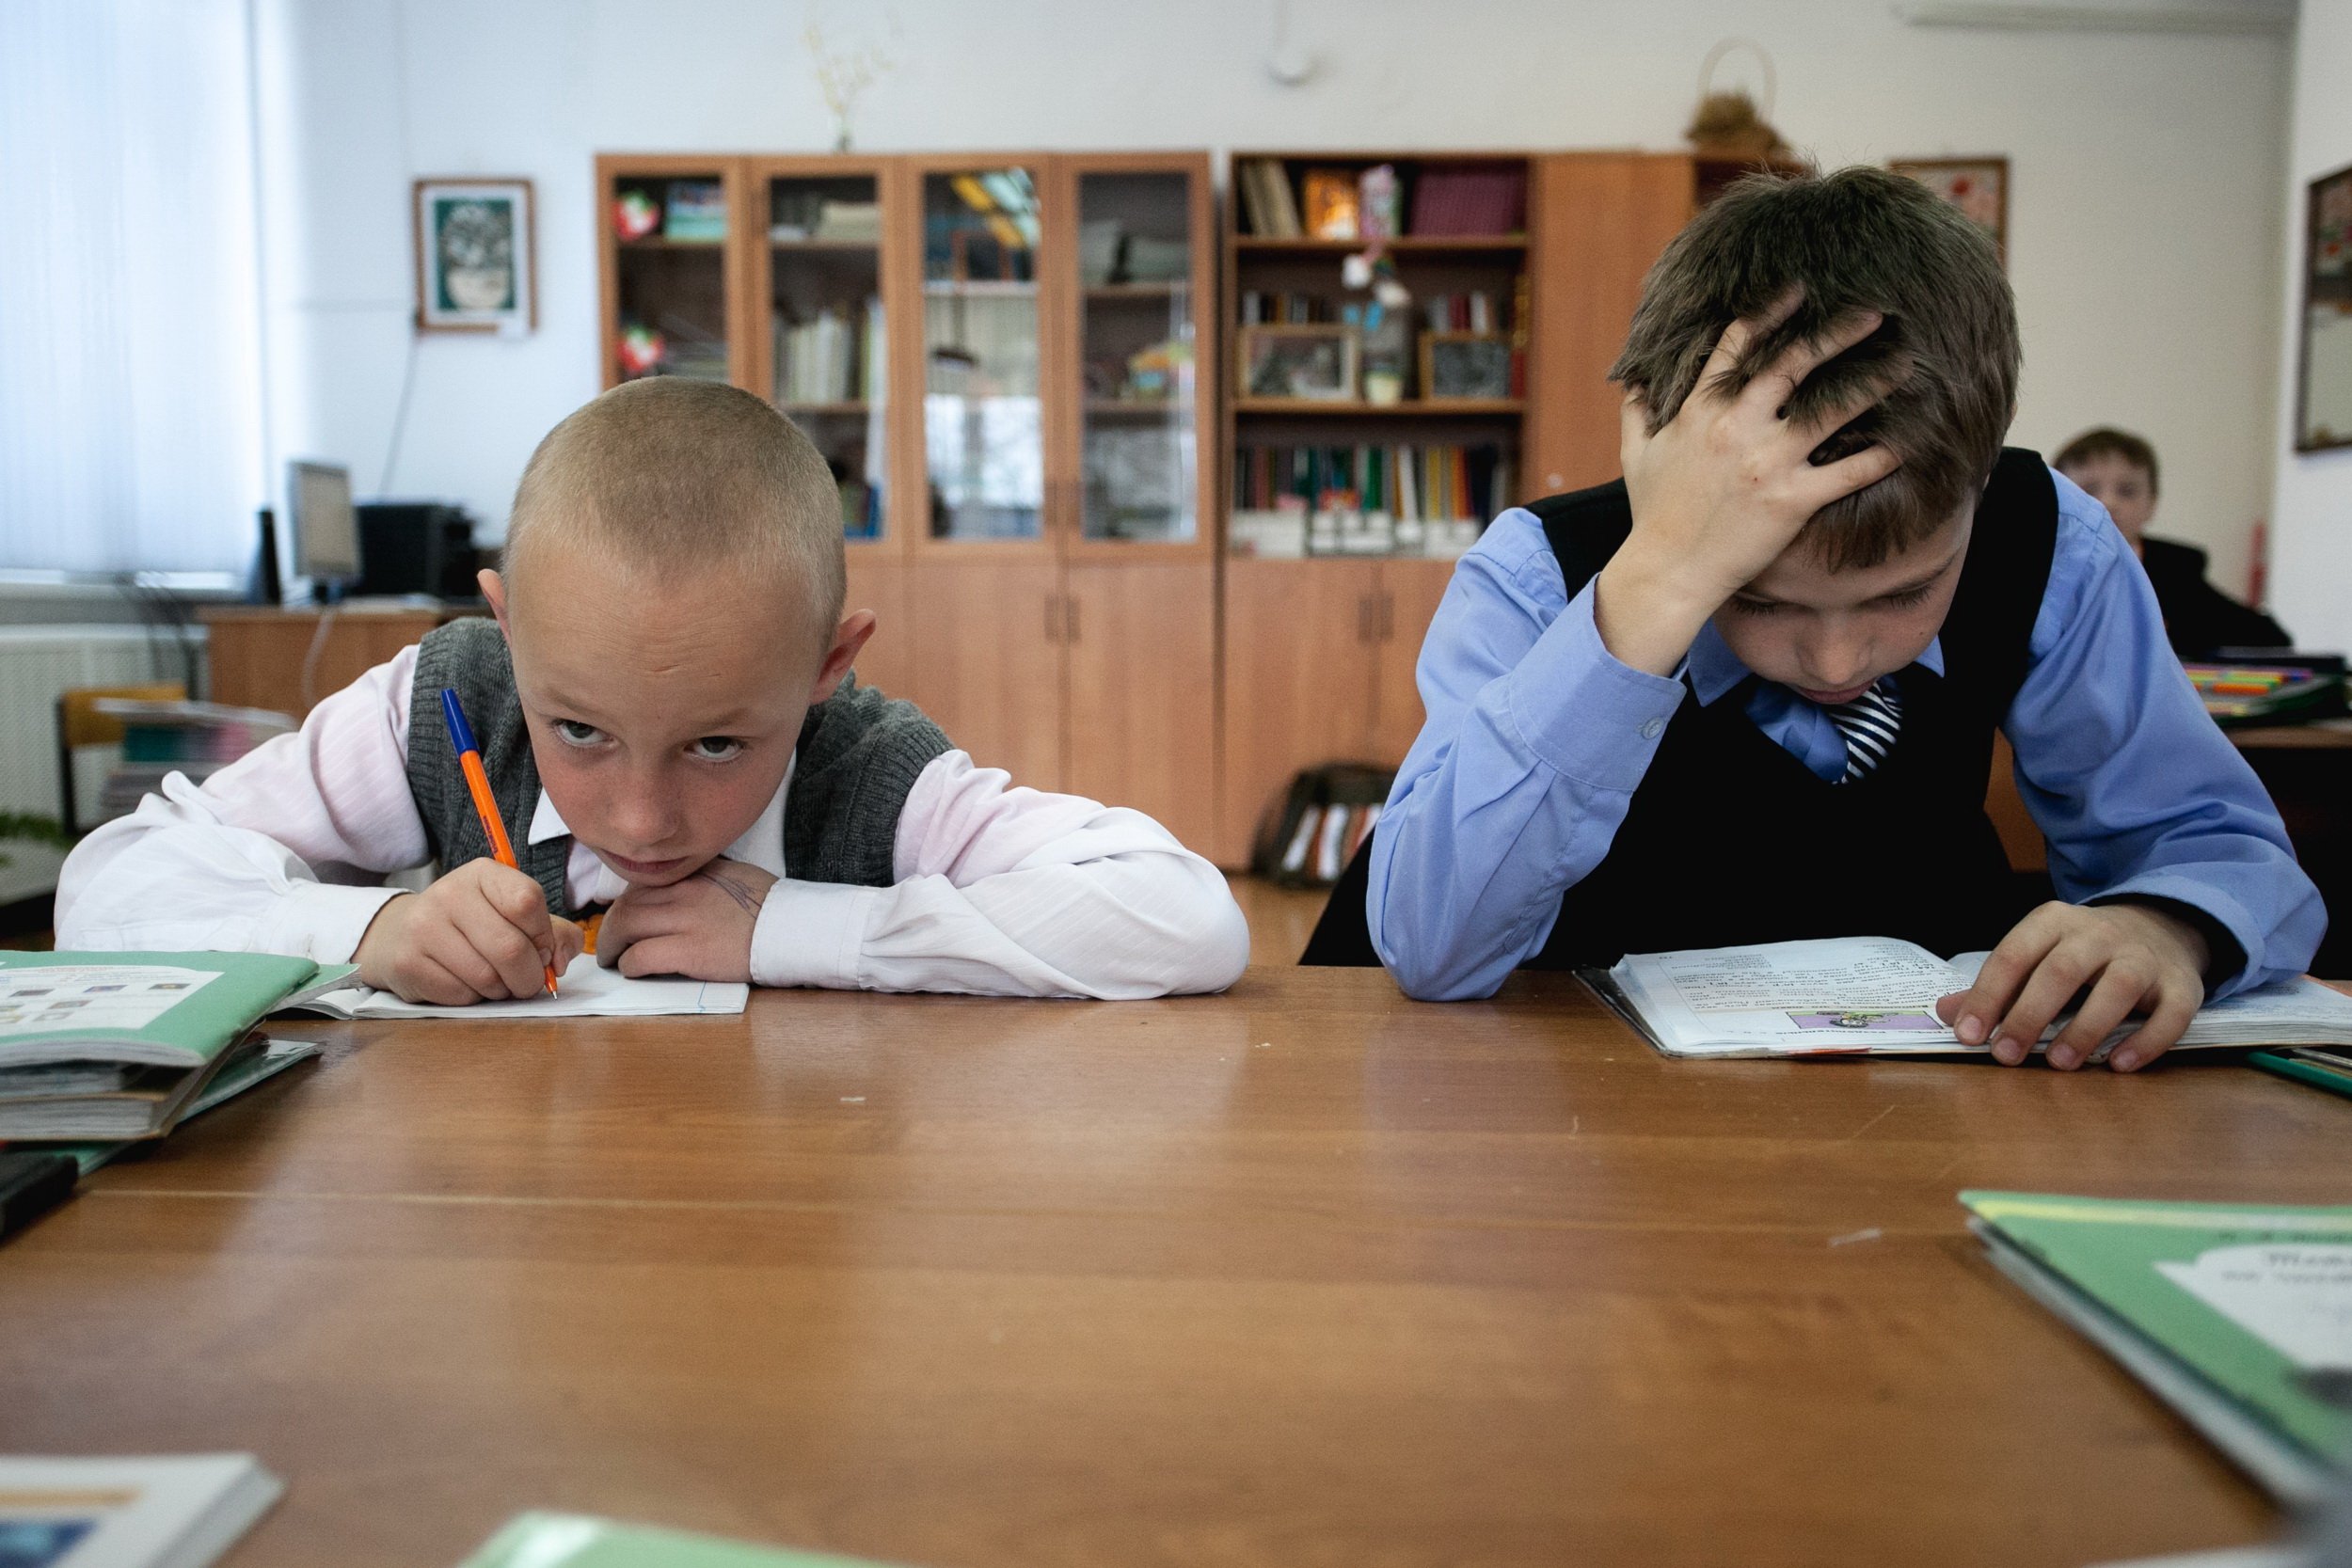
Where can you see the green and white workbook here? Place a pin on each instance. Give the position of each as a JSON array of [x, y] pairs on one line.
[[144, 1009], [579, 1541], [2237, 1315]]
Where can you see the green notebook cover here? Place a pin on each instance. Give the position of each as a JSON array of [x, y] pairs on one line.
[[578, 1541], [2255, 1300], [167, 1010]]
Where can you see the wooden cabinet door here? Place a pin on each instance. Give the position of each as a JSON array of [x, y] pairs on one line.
[[1409, 591], [1298, 671], [881, 585], [1602, 218], [988, 660], [1142, 661]]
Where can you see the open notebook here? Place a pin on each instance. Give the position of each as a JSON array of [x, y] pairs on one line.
[[588, 992], [1876, 996]]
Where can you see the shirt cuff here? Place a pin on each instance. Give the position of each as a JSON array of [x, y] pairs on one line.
[[1583, 711], [322, 922], [811, 934], [2197, 903]]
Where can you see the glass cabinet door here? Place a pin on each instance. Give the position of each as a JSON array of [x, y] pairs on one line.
[[825, 330], [1139, 443], [983, 438], [670, 241]]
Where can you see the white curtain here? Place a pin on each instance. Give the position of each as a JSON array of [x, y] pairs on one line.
[[130, 343]]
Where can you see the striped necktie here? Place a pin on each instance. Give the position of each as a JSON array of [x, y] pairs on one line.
[[1869, 724]]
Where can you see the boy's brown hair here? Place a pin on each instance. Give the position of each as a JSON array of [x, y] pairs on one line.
[[2107, 441], [1860, 239], [668, 476]]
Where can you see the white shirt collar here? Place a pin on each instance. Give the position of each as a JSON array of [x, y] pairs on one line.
[[762, 844]]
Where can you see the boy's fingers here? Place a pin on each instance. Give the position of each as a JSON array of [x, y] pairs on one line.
[[1791, 365], [1855, 472], [522, 901], [511, 955], [2004, 972], [571, 940], [432, 982], [2110, 1004], [454, 953], [655, 956], [2166, 1024], [2055, 982], [1732, 346]]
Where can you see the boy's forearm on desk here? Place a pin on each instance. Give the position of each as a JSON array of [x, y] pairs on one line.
[[1506, 803]]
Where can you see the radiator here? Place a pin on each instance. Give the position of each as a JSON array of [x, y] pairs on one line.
[[36, 664]]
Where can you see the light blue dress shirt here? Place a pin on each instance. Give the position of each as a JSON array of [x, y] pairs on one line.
[[1537, 737]]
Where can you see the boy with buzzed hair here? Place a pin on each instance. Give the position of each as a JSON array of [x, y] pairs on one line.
[[1749, 692], [667, 715]]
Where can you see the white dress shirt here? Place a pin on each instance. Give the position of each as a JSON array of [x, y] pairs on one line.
[[1001, 890]]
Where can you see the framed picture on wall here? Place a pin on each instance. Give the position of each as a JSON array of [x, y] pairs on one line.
[[1317, 364], [476, 260], [2323, 381], [1977, 187]]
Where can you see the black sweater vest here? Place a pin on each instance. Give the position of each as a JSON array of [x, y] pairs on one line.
[[1730, 839]]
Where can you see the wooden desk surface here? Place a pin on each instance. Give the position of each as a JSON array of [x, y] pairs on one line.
[[1302, 1275]]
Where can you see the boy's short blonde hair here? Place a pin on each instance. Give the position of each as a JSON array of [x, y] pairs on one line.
[[670, 477]]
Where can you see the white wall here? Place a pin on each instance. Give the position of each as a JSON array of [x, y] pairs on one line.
[[2144, 218], [2312, 553]]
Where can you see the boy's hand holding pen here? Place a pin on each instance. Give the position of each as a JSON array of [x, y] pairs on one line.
[[483, 932]]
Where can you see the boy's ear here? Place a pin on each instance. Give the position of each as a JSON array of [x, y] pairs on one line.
[[494, 588], [848, 640]]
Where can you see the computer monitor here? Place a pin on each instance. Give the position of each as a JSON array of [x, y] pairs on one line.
[[326, 528]]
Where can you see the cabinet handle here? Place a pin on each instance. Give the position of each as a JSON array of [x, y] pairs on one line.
[[1053, 617], [1388, 615], [1364, 618], [1069, 617]]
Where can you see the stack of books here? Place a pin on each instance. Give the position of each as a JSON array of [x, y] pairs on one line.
[[1385, 486], [161, 737], [118, 1046], [1269, 206], [695, 211], [831, 357]]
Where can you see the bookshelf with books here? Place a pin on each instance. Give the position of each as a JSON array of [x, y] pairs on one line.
[[672, 301], [1381, 314], [996, 354]]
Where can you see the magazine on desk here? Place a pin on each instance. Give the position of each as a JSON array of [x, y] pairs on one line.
[[1876, 996]]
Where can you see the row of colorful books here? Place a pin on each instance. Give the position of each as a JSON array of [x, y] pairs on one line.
[[1452, 202], [1417, 484]]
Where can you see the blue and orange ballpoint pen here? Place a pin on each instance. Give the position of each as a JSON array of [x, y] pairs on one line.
[[478, 781]]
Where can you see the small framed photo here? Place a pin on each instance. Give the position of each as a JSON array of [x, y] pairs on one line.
[[2322, 381], [477, 265], [1465, 367], [1317, 364], [1977, 187]]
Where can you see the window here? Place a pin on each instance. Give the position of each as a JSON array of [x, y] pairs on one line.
[[130, 340]]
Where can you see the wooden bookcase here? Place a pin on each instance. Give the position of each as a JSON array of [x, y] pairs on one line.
[[1320, 650], [1030, 503], [1060, 341]]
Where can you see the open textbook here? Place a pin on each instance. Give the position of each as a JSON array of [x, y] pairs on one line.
[[1876, 996], [587, 992]]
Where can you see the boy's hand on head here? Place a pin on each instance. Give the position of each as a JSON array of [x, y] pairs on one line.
[[700, 928], [1724, 487], [2122, 959], [480, 934]]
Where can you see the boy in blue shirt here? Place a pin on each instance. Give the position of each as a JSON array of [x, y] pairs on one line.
[[1749, 692]]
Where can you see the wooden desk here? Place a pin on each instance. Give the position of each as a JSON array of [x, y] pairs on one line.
[[1302, 1275], [256, 654]]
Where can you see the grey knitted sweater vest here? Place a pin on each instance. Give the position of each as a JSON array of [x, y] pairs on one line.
[[858, 756]]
